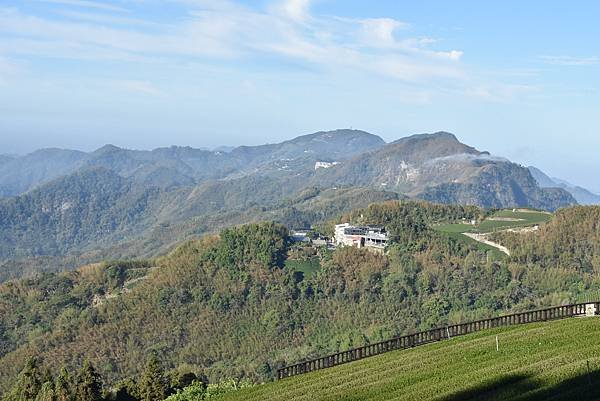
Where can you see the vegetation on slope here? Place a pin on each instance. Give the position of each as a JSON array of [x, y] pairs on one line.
[[227, 306], [569, 243], [539, 361], [85, 218]]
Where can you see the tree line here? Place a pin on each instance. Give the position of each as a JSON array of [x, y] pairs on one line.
[[35, 383]]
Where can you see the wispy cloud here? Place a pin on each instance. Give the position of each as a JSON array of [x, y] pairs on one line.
[[86, 4], [227, 30], [217, 31], [107, 19], [570, 60], [296, 10]]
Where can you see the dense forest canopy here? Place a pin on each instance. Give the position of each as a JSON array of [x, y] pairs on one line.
[[229, 306]]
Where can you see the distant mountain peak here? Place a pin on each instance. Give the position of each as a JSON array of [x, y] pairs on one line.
[[436, 136], [53, 151], [108, 148], [339, 134], [419, 148]]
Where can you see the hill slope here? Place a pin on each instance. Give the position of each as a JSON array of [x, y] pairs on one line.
[[233, 305], [535, 362], [20, 174]]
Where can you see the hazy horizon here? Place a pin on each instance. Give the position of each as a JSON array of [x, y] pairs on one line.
[[519, 80]]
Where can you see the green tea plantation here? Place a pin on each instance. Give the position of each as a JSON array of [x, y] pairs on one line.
[[557, 360]]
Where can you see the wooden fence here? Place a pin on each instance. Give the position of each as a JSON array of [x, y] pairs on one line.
[[437, 334]]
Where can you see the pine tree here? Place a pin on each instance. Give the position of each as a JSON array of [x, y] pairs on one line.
[[152, 383], [28, 383], [89, 384], [125, 390], [63, 386]]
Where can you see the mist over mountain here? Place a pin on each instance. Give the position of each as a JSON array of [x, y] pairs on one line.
[[20, 174], [180, 166]]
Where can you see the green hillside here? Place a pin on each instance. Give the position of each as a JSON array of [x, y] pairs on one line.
[[535, 362], [235, 305]]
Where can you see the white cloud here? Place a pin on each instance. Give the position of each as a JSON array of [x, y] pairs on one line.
[[198, 38], [222, 30], [379, 32], [452, 54], [570, 60], [296, 10]]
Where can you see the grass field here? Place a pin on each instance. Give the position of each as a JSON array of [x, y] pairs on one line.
[[523, 219], [515, 219], [500, 220], [538, 361]]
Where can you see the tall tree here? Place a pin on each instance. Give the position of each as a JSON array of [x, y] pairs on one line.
[[46, 393], [28, 384], [152, 383], [89, 384], [63, 390]]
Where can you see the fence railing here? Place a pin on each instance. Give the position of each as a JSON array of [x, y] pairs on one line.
[[437, 334]]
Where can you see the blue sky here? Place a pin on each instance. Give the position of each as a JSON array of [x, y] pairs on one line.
[[520, 79]]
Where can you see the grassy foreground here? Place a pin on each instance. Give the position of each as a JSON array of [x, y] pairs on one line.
[[540, 361]]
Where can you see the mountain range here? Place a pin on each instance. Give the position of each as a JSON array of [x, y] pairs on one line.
[[116, 202]]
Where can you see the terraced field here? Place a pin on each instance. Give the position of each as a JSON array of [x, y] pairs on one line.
[[505, 219], [540, 361], [500, 220]]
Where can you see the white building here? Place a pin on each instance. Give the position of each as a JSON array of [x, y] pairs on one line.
[[319, 165], [360, 236], [339, 237]]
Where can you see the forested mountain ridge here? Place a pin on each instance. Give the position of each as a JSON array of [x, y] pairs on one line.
[[229, 305], [129, 203], [148, 221], [176, 165], [72, 212], [20, 174], [431, 166]]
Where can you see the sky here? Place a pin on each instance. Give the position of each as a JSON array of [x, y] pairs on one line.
[[518, 79]]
